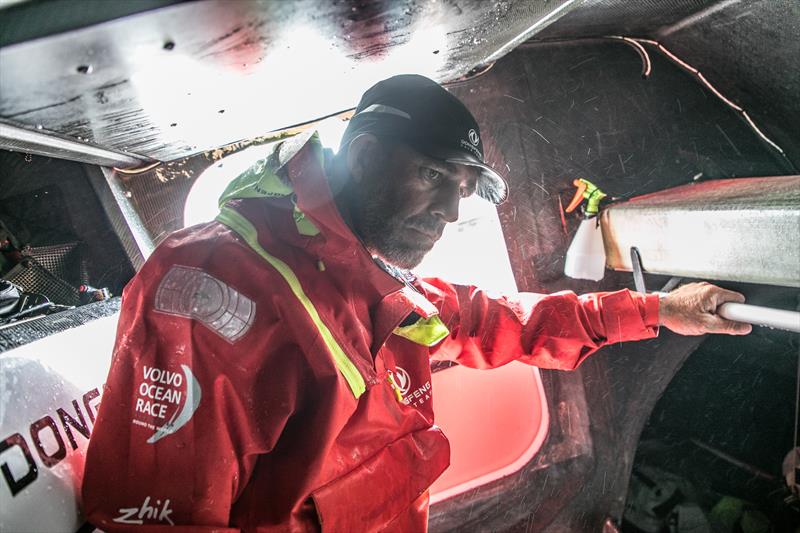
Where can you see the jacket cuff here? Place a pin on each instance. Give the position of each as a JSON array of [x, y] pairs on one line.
[[629, 316], [651, 315]]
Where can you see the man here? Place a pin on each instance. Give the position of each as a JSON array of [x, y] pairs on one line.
[[252, 385]]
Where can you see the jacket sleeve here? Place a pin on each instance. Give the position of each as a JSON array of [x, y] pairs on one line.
[[186, 412], [556, 331]]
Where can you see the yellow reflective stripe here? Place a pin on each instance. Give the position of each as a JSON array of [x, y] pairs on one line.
[[426, 331], [304, 226], [397, 392], [247, 231]]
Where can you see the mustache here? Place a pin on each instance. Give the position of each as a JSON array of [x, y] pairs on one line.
[[426, 224]]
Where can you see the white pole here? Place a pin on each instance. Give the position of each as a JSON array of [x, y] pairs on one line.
[[761, 316]]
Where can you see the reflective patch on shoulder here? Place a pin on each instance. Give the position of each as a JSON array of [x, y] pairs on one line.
[[192, 293]]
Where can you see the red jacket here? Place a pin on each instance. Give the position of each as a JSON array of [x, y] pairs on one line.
[[254, 383]]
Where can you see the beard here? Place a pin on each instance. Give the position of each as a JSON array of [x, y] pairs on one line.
[[390, 234]]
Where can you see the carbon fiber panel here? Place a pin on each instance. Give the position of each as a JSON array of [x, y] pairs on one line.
[[49, 203], [193, 76], [54, 271], [640, 18], [23, 333], [748, 49]]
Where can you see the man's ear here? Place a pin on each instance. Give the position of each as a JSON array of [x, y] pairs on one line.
[[361, 155]]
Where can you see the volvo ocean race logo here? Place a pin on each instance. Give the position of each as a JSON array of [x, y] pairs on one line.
[[473, 137], [165, 400]]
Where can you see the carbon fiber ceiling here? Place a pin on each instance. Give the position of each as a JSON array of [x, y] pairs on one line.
[[180, 78], [188, 77]]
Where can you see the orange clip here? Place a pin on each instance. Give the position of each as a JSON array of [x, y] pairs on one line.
[[578, 198]]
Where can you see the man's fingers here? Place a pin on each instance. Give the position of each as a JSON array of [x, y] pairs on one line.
[[722, 325], [720, 296], [692, 310]]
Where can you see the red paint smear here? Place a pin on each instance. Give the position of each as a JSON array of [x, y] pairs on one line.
[[563, 219]]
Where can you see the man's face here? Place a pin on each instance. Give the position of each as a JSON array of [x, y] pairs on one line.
[[405, 199]]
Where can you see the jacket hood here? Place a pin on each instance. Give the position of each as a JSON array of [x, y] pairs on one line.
[[294, 170]]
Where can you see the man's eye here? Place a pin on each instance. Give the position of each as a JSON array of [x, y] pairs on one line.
[[431, 175]]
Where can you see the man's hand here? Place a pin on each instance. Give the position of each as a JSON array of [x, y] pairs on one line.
[[692, 310]]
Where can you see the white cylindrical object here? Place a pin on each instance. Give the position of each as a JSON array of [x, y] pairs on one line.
[[586, 257], [761, 316]]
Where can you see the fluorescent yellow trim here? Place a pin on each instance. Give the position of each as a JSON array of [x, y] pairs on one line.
[[426, 331], [304, 226], [247, 231], [258, 181], [397, 392]]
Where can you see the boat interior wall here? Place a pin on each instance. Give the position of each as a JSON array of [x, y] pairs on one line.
[[554, 112], [46, 202], [745, 48]]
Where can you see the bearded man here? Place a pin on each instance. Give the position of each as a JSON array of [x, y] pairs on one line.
[[252, 385]]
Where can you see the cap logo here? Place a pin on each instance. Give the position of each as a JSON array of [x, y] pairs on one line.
[[473, 137]]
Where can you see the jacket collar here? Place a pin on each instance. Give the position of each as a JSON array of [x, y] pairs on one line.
[[292, 176], [292, 179]]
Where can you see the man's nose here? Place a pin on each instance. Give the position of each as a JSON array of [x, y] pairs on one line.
[[445, 206]]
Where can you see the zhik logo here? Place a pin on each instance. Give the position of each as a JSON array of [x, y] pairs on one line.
[[137, 515]]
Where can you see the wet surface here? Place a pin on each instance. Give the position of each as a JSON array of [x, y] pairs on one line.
[[194, 76], [551, 113], [726, 422]]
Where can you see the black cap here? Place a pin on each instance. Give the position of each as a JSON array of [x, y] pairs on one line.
[[419, 111]]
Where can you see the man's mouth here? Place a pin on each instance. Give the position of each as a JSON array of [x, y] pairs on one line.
[[424, 234], [430, 234]]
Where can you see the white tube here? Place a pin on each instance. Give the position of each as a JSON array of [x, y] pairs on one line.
[[761, 316]]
